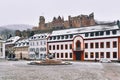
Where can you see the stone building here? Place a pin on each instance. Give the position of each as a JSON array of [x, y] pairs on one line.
[[60, 23]]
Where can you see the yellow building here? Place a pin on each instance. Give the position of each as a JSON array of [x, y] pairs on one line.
[[21, 49]]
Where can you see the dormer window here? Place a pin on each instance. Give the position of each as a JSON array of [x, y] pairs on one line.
[[96, 33], [71, 36], [101, 33], [114, 32], [66, 37], [62, 37], [107, 32], [86, 34], [50, 38], [92, 34], [58, 37], [54, 37]]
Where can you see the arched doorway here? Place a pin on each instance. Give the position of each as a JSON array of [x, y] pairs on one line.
[[78, 48]]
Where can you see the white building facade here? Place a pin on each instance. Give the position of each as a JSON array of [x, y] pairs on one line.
[[2, 49], [38, 46], [86, 43]]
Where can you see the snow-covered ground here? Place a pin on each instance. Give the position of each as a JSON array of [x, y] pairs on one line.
[[19, 70]]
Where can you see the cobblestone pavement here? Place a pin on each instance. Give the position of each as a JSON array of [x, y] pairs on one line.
[[19, 70]]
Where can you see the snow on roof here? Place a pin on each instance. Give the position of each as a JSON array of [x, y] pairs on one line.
[[12, 40], [84, 29], [23, 41], [41, 34]]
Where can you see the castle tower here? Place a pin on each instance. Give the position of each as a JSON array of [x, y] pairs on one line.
[[91, 18], [41, 22]]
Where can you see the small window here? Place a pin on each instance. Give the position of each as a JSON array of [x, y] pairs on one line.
[[101, 44], [71, 36], [57, 55], [70, 55], [96, 45], [54, 37], [107, 44], [58, 37], [57, 47], [102, 55], [61, 46], [61, 55], [107, 32], [66, 55], [86, 54], [53, 47], [62, 37], [101, 33], [70, 46], [96, 33], [92, 34], [50, 38], [86, 45], [107, 54], [91, 45], [66, 46], [96, 55], [114, 54], [114, 44], [91, 55], [66, 37], [86, 34], [114, 32]]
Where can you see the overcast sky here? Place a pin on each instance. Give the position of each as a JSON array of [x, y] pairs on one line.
[[28, 11]]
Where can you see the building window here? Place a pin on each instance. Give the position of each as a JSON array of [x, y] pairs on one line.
[[53, 47], [86, 54], [96, 33], [61, 46], [54, 37], [57, 47], [70, 55], [114, 44], [86, 34], [66, 47], [107, 32], [66, 37], [114, 32], [71, 36], [107, 54], [61, 55], [92, 34], [54, 55], [86, 45], [70, 46], [101, 44], [101, 54], [49, 47], [66, 55], [96, 55], [50, 38], [96, 45], [107, 44], [78, 45], [91, 45], [57, 55], [114, 54], [101, 33], [91, 55], [62, 37], [58, 37]]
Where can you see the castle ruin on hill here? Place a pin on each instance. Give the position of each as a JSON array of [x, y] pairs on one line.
[[60, 23]]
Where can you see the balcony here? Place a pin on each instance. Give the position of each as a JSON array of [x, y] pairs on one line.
[[78, 49]]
